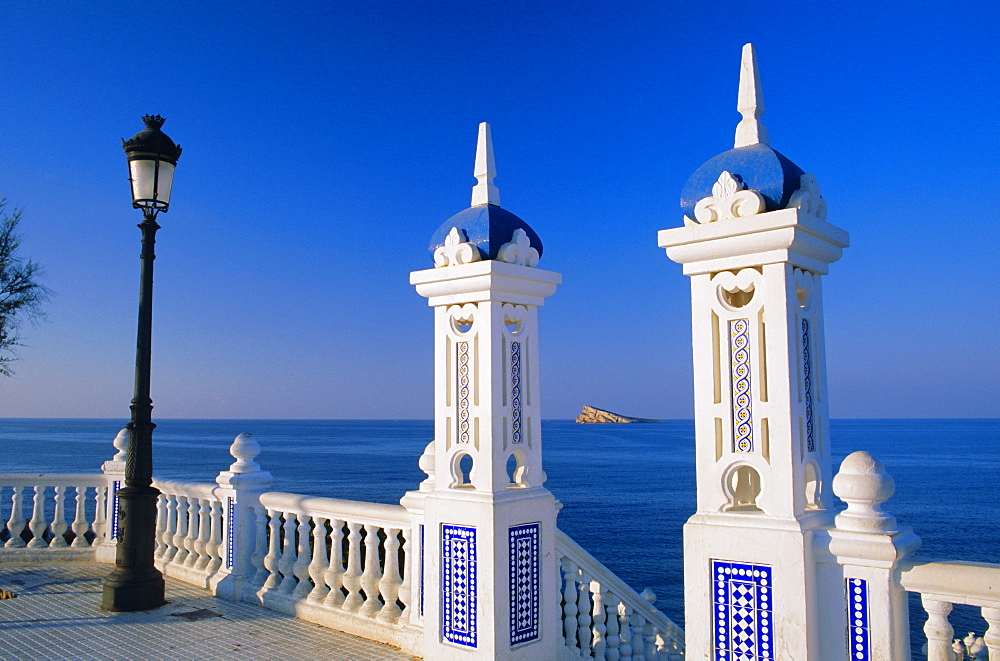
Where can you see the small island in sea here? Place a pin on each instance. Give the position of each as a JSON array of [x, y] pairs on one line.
[[591, 415]]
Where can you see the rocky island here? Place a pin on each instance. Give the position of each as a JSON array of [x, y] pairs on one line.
[[590, 415]]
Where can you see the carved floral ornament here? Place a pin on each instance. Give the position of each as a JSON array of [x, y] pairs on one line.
[[455, 250], [731, 199], [518, 250]]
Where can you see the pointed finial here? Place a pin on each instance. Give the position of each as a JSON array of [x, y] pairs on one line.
[[485, 192], [750, 130]]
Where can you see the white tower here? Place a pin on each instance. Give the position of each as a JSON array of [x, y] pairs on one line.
[[489, 575], [755, 244]]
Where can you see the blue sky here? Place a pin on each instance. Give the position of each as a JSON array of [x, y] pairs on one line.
[[324, 142]]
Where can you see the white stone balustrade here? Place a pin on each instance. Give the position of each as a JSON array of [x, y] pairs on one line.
[[603, 618], [52, 511], [942, 584], [189, 531]]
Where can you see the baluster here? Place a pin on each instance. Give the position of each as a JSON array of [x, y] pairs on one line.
[[333, 576], [352, 575], [320, 561], [388, 587], [273, 551], [59, 526], [637, 624], [938, 629], [216, 553], [204, 534], [38, 523], [373, 572], [301, 568], [992, 635], [161, 527], [260, 573], [599, 617], [570, 608], [100, 513], [625, 649], [584, 633], [80, 525], [286, 564], [15, 524], [614, 631], [180, 536], [170, 529], [193, 541], [406, 585], [649, 633]]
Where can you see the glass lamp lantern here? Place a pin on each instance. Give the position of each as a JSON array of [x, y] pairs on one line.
[[152, 157]]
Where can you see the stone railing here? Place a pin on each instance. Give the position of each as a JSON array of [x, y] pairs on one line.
[[189, 531], [942, 584], [52, 511], [603, 618], [338, 563]]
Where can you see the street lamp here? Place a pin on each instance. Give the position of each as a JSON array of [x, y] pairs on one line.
[[136, 584]]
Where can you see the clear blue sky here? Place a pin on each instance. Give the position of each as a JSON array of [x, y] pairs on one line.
[[325, 141]]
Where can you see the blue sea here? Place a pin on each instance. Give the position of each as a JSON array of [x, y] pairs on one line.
[[626, 489]]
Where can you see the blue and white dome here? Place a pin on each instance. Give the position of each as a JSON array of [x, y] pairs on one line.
[[485, 224], [759, 167]]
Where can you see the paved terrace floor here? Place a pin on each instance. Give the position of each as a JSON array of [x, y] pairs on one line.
[[57, 615]]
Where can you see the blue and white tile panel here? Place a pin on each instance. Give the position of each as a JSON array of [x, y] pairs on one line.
[[739, 354], [114, 509], [515, 392], [230, 530], [743, 605], [858, 634], [807, 386], [458, 584], [525, 557], [464, 424]]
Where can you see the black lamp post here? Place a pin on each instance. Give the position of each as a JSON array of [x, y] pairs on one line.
[[135, 584]]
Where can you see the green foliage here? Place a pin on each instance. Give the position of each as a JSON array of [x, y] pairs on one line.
[[21, 296]]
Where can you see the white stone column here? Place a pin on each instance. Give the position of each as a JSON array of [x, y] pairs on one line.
[[239, 490], [866, 547], [114, 473], [489, 579]]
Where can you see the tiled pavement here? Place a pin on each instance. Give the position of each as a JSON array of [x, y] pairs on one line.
[[57, 615]]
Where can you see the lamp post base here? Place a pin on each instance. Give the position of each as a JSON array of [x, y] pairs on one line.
[[135, 584]]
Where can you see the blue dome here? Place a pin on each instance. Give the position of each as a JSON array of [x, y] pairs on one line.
[[487, 227], [759, 167]]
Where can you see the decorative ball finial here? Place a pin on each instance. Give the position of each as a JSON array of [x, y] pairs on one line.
[[244, 449], [121, 444], [750, 130], [864, 485]]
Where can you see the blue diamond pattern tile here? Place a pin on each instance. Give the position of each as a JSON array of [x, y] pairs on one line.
[[458, 549], [743, 608], [524, 561]]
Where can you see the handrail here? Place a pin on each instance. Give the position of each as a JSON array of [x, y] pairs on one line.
[[973, 583], [52, 479], [183, 487], [377, 513]]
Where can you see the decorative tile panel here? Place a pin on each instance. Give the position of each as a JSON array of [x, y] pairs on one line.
[[744, 629], [515, 392], [114, 510], [858, 634], [421, 571], [524, 559], [807, 386], [458, 581], [463, 392], [230, 530], [739, 354]]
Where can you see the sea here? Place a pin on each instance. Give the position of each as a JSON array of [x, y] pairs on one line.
[[626, 489]]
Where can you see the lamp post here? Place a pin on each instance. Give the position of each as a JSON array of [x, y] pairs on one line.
[[136, 584]]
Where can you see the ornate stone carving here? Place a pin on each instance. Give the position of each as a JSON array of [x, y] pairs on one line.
[[518, 250], [729, 199], [808, 197], [455, 250]]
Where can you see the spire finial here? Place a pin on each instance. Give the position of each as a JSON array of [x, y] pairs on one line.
[[485, 192], [750, 130]]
